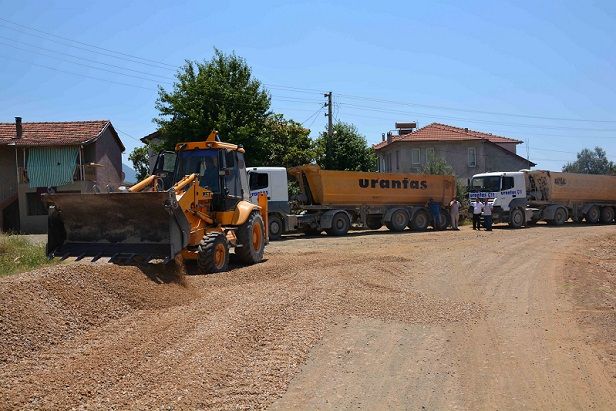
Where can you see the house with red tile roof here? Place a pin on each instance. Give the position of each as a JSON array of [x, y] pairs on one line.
[[35, 158], [467, 151]]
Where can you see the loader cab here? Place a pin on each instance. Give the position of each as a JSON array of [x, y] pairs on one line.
[[164, 168], [221, 171]]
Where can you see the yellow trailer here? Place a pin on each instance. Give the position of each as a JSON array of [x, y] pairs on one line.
[[334, 201]]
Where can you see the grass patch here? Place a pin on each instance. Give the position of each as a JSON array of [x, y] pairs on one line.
[[17, 254]]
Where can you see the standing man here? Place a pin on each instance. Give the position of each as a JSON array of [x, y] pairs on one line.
[[477, 207], [454, 212], [435, 210], [487, 215]]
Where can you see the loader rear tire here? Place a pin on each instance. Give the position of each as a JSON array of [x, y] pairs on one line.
[[213, 253], [251, 238]]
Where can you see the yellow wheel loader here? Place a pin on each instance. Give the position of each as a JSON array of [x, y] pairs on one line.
[[193, 207]]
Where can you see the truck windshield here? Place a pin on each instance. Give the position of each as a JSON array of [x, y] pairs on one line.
[[486, 184], [202, 162]]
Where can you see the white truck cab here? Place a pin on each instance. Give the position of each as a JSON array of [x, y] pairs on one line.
[[273, 182], [506, 191]]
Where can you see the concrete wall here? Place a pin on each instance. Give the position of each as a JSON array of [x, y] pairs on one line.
[[8, 184], [37, 224], [8, 171], [488, 157], [109, 155]]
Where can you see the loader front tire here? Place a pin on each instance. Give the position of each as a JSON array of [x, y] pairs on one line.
[[213, 253], [251, 238]]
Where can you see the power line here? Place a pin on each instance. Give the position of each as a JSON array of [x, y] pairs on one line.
[[76, 57], [474, 110], [88, 65], [144, 60], [380, 110]]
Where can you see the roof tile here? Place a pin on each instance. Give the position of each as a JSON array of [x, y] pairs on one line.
[[52, 134], [444, 132]]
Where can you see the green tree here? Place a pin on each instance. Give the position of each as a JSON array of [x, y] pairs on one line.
[[141, 164], [437, 165], [218, 94], [591, 162], [348, 150], [288, 143]]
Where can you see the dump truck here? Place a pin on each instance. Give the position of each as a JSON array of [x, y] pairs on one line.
[[526, 197], [194, 207], [334, 201]]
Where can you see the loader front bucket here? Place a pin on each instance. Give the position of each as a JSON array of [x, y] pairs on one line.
[[149, 225]]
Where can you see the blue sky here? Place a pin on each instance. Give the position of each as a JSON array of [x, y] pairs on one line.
[[542, 72]]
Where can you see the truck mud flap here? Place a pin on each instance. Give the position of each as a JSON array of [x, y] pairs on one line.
[[123, 226]]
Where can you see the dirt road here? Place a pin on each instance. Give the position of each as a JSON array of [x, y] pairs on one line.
[[437, 320]]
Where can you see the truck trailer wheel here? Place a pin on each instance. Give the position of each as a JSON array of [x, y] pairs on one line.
[[607, 215], [443, 220], [399, 220], [560, 216], [517, 218], [420, 221], [374, 222], [213, 253], [593, 215], [251, 238], [340, 225], [275, 227]]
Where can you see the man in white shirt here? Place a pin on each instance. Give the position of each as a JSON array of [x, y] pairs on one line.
[[454, 211], [477, 207], [487, 215]]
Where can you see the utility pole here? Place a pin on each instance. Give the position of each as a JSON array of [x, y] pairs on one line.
[[330, 131]]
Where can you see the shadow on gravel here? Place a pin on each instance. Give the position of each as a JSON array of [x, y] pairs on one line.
[[358, 233]]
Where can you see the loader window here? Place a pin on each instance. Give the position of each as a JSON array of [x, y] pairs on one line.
[[202, 162]]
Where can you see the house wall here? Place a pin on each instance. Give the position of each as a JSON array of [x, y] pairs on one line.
[[488, 157], [109, 155], [8, 186]]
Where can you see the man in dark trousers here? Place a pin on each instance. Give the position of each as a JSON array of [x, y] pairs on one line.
[[435, 210], [477, 208]]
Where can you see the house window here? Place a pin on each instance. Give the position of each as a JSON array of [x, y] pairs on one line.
[[415, 153], [397, 160], [472, 157], [429, 153], [35, 205]]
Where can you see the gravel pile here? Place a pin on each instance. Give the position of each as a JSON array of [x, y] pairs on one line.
[[103, 336]]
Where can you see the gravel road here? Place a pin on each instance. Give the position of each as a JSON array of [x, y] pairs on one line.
[[437, 320]]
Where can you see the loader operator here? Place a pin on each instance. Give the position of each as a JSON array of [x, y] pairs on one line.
[[209, 174]]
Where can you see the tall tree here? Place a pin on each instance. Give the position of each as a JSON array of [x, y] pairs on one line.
[[218, 94], [348, 150], [141, 164], [591, 162], [288, 143]]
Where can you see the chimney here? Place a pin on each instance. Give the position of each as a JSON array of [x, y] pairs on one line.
[[18, 130], [466, 129], [389, 137], [383, 137]]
